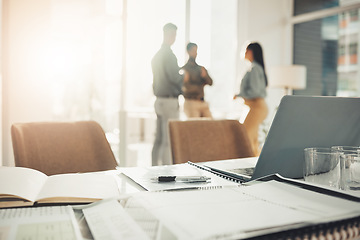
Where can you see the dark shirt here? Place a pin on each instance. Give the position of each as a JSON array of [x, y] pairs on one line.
[[194, 88], [167, 81]]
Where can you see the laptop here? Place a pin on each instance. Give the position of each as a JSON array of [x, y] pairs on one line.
[[301, 122]]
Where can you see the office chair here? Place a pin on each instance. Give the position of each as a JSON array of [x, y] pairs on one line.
[[206, 140], [62, 147]]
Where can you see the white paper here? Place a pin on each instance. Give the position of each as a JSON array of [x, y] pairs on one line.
[[57, 222], [237, 212], [321, 205], [81, 185], [34, 185], [25, 182], [108, 220]]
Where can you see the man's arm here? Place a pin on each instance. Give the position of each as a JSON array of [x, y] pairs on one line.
[[172, 70], [207, 79]]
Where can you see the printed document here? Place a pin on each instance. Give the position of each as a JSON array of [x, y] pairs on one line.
[[55, 222], [242, 211]]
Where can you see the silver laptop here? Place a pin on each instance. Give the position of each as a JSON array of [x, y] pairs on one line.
[[301, 122], [304, 121]]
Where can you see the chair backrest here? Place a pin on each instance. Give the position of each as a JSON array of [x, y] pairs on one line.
[[206, 140], [62, 147]]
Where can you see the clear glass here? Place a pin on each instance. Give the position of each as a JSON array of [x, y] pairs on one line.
[[322, 167], [355, 149], [350, 172]]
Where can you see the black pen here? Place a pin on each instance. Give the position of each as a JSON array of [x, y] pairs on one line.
[[188, 179]]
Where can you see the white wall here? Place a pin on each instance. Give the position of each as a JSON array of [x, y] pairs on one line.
[[1, 94], [223, 45], [267, 22], [25, 94]]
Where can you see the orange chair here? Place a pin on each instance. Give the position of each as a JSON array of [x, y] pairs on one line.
[[62, 147], [206, 140]]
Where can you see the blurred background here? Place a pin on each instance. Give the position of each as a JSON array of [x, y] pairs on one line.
[[71, 60]]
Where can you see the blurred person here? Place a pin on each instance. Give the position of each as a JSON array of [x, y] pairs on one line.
[[193, 88], [253, 91], [167, 83]]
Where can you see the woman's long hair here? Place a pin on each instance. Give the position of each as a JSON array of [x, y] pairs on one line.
[[258, 56]]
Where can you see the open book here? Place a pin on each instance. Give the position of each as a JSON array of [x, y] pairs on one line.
[[24, 186]]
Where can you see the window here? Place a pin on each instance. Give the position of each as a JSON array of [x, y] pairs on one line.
[[306, 6], [328, 47], [145, 20], [144, 38], [84, 62]]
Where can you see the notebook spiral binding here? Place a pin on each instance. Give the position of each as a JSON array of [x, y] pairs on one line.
[[209, 187], [348, 229], [223, 175]]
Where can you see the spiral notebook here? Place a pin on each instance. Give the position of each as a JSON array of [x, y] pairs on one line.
[[265, 210], [226, 174], [144, 176], [219, 179], [238, 178]]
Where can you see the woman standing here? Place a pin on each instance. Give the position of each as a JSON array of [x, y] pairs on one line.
[[253, 91]]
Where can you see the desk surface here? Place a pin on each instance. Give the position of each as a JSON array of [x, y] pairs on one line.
[[125, 184], [128, 186]]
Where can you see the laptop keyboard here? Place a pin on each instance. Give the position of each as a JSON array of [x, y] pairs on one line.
[[244, 171]]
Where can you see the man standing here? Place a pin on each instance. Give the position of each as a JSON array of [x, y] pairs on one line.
[[167, 83], [193, 90]]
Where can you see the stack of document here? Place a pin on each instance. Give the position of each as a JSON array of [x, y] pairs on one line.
[[233, 212]]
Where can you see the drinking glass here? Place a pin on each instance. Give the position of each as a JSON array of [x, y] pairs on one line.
[[344, 172], [355, 149], [322, 166], [350, 171]]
